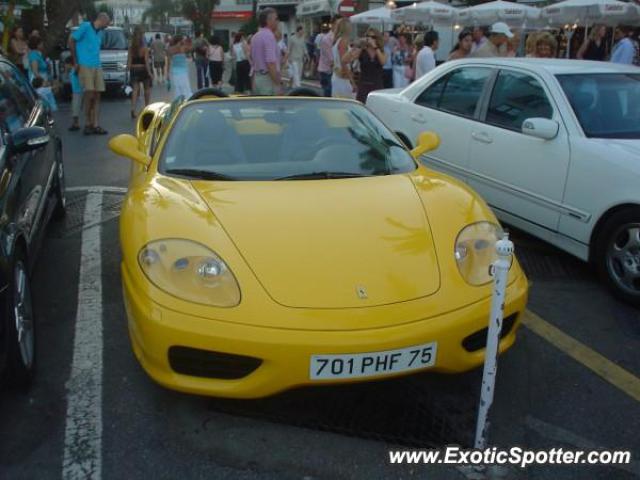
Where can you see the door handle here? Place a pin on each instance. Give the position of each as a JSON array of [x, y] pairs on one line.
[[482, 137], [418, 118]]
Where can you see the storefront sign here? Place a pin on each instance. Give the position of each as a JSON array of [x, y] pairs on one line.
[[347, 8], [276, 3], [317, 7], [231, 15]]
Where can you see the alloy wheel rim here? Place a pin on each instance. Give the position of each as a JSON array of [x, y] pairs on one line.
[[623, 258], [23, 315]]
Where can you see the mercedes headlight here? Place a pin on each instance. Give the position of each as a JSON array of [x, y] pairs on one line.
[[190, 271], [475, 251]]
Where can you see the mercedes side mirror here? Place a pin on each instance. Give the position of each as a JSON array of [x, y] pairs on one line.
[[542, 128]]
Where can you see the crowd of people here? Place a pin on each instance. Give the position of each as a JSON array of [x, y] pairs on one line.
[[268, 62], [394, 59]]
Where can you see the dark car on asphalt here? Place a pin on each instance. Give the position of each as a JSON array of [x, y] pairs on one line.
[[31, 192]]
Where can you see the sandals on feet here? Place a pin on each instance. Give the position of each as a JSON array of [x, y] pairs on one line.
[[99, 131]]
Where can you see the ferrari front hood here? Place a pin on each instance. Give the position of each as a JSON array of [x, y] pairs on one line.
[[347, 243]]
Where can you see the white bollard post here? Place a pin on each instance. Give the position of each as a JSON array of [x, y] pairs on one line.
[[500, 271]]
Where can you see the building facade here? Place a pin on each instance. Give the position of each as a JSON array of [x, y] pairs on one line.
[[229, 16], [127, 12]]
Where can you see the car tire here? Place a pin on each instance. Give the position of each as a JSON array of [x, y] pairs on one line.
[[617, 254], [60, 210], [19, 328]]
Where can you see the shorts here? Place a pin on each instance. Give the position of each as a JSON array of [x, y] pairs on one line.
[[91, 79], [263, 85], [139, 75], [341, 87]]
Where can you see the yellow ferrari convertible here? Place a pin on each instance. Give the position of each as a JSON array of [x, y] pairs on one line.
[[274, 242]]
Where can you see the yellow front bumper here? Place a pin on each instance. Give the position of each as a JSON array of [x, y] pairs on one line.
[[285, 354]]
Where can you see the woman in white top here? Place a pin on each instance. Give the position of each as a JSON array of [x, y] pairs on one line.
[[342, 83], [240, 53], [215, 54]]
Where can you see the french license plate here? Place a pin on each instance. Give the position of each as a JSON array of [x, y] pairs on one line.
[[354, 365]]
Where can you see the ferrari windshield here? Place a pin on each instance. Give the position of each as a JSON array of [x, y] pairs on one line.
[[607, 104], [281, 139]]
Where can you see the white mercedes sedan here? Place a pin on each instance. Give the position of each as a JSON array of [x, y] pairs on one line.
[[552, 145]]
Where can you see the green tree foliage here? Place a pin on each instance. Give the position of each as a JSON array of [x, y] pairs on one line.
[[59, 14], [250, 26], [161, 9], [92, 9], [199, 12]]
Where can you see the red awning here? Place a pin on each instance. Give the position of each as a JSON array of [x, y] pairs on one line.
[[244, 15]]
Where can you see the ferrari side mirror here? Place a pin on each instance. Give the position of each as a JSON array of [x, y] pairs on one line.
[[127, 146], [427, 142]]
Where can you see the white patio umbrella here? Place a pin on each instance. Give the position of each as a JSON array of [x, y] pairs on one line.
[[511, 13], [609, 12], [429, 12], [380, 15]]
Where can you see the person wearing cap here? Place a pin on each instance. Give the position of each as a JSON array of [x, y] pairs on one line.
[[499, 35]]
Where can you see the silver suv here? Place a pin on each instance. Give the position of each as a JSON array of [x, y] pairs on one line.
[[113, 56]]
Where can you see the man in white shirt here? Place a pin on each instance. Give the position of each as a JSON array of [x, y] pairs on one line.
[[426, 59], [296, 56]]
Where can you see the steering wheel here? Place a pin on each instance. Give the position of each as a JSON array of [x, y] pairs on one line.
[[302, 92], [208, 92]]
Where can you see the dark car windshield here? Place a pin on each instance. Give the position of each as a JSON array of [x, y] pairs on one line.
[[288, 139], [607, 105], [113, 40]]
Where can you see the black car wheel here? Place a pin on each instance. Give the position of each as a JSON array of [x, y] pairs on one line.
[[618, 254], [60, 192], [19, 328]]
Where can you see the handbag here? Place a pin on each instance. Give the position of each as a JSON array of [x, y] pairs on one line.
[[408, 72]]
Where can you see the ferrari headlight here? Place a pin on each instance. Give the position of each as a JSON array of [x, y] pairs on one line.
[[475, 251], [190, 271]]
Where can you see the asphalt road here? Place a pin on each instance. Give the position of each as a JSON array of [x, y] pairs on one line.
[[547, 394]]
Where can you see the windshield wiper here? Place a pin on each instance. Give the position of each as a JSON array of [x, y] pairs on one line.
[[200, 174], [324, 175]]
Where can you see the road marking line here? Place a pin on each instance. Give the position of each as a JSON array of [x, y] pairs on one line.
[[599, 364], [98, 189], [561, 435], [83, 431]]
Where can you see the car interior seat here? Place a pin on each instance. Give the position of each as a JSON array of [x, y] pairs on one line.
[[301, 134], [212, 141]]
